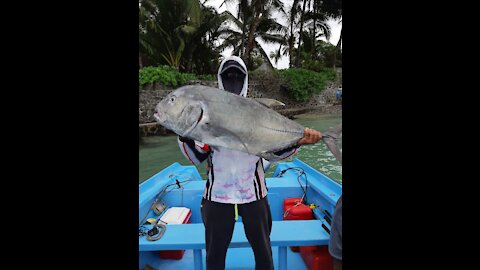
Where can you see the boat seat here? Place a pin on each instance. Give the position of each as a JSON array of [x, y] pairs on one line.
[[284, 234]]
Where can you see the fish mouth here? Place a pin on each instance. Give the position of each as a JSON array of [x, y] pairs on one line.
[[159, 117]]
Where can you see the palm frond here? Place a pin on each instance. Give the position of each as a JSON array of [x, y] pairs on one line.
[[271, 38]]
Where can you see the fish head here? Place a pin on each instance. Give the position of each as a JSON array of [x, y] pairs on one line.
[[179, 111]]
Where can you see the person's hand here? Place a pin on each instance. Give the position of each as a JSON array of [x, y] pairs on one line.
[[310, 136]]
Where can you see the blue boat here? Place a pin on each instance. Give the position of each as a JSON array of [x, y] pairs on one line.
[[183, 186]]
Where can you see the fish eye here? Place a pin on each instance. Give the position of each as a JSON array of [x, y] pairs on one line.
[[172, 99]]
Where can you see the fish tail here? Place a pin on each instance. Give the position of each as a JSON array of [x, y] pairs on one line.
[[330, 138]]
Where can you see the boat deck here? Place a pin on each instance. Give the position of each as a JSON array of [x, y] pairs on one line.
[[322, 191], [237, 259]]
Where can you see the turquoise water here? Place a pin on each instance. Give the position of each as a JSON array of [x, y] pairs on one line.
[[158, 152]]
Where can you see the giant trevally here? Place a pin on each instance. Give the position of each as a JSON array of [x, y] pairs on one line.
[[219, 118]]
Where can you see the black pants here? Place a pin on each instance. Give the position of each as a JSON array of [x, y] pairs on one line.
[[219, 221]]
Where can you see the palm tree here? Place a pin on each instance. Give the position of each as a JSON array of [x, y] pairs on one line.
[[291, 38], [146, 27], [312, 14], [249, 19], [333, 9], [315, 58], [317, 14], [164, 26], [267, 30], [202, 52], [338, 47], [302, 16], [317, 23], [262, 9]]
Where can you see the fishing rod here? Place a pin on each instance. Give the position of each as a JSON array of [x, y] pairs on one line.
[[325, 227], [328, 217]]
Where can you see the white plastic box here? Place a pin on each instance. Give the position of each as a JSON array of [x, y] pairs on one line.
[[176, 215]]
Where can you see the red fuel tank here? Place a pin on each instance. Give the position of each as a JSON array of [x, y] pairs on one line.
[[294, 209]]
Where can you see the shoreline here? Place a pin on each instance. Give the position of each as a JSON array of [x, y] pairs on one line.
[[317, 115]]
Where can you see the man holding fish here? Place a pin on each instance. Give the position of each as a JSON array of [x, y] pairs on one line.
[[236, 181]]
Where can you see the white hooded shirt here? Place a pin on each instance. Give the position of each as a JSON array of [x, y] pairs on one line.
[[234, 177]]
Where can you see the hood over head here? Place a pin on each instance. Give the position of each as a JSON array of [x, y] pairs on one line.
[[233, 76]]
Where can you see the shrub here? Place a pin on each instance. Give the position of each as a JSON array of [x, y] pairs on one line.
[[167, 76], [302, 84]]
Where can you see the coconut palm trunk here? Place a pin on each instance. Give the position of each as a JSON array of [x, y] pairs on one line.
[[302, 19]]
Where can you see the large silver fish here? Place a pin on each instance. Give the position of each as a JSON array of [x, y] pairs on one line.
[[220, 118]]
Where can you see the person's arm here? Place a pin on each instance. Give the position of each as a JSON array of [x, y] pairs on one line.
[[310, 136], [195, 152]]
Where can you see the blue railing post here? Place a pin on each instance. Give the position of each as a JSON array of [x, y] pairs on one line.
[[197, 259], [282, 258]]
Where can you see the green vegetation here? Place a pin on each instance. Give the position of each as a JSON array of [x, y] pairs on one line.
[[181, 34], [302, 84], [179, 39], [167, 76], [190, 35]]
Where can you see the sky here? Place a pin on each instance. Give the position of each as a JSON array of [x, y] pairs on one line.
[[335, 27]]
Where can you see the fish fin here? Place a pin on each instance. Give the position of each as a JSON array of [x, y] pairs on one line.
[[226, 132], [269, 102], [334, 132], [330, 138], [333, 147]]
